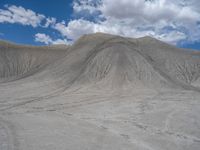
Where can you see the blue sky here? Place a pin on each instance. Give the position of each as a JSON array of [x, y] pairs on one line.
[[16, 32], [42, 22]]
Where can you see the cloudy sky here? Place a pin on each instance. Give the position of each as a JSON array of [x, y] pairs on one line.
[[41, 22]]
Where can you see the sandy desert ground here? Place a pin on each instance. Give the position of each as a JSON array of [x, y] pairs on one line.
[[104, 92]]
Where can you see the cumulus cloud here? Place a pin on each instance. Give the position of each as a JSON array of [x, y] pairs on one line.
[[82, 5], [136, 18], [43, 38], [75, 28], [61, 41], [149, 11], [172, 37], [171, 21], [14, 14], [50, 21]]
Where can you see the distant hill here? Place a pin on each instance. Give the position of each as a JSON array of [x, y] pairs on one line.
[[18, 61]]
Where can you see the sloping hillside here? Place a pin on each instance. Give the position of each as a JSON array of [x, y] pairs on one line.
[[104, 92], [106, 61], [17, 61]]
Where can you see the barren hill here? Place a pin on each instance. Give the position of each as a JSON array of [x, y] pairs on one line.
[[112, 61], [17, 61], [104, 92]]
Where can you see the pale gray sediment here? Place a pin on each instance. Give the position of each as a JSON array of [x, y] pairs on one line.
[[103, 92]]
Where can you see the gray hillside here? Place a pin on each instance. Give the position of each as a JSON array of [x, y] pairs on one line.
[[106, 61], [18, 61]]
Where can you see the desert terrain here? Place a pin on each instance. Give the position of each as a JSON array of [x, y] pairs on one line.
[[104, 92]]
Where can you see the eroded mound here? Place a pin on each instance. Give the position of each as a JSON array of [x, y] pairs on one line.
[[103, 93], [107, 61], [19, 61], [116, 62], [119, 66]]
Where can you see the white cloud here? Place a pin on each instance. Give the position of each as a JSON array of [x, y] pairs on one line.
[[141, 11], [50, 21], [61, 41], [75, 28], [82, 5], [14, 14], [170, 21], [43, 38], [173, 37]]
